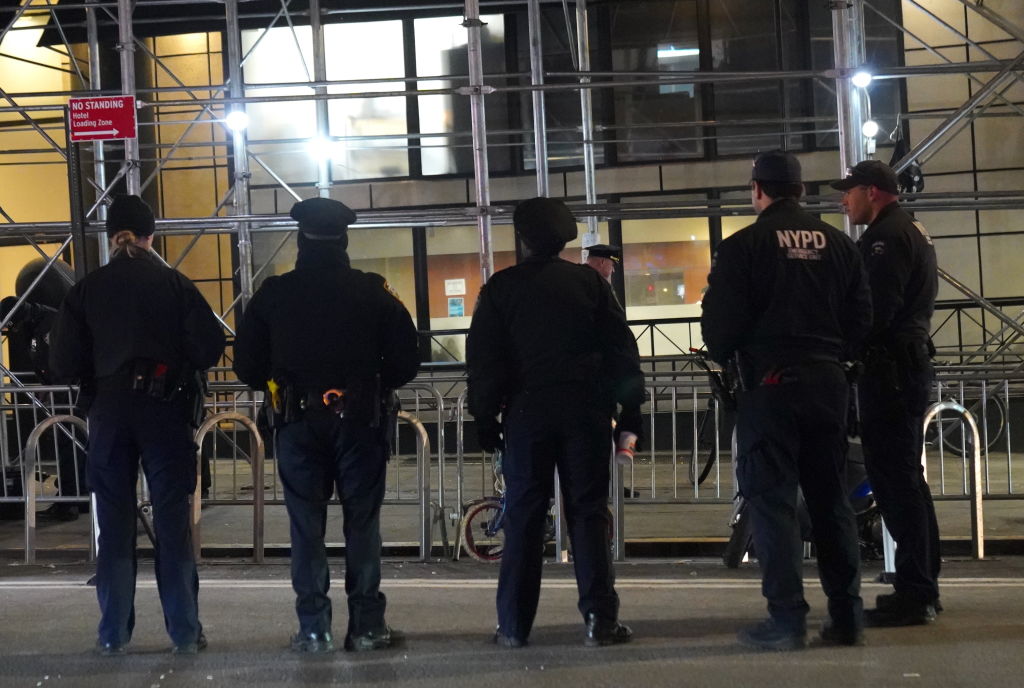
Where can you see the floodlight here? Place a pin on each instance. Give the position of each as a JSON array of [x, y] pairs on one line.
[[237, 120], [870, 129], [862, 79]]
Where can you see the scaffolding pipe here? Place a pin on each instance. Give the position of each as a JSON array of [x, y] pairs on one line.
[[957, 118], [995, 18], [481, 172], [240, 197], [126, 49], [982, 302], [98, 153], [848, 47], [540, 125], [323, 125], [586, 121]]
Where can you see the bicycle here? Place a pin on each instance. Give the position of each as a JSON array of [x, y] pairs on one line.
[[721, 404], [991, 418], [481, 531]]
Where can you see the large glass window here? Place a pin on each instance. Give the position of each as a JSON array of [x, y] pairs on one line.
[[441, 51], [283, 135], [364, 51], [453, 267], [562, 108], [279, 133], [388, 252], [656, 36], [665, 263], [744, 38]]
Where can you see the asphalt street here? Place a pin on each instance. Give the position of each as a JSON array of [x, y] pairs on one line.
[[685, 615]]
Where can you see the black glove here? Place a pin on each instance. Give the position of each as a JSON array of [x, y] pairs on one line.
[[630, 420], [489, 434]]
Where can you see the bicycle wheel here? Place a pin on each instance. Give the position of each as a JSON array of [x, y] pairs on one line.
[[709, 463], [954, 429], [480, 538], [696, 473], [739, 543]]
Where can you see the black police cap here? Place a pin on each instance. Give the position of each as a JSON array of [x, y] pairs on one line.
[[131, 213], [544, 224], [777, 166], [605, 251], [323, 218], [869, 173]]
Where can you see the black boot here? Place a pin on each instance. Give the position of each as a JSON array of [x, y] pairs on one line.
[[769, 635], [601, 631]]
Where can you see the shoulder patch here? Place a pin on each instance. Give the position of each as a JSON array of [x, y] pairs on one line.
[[924, 232], [878, 248]]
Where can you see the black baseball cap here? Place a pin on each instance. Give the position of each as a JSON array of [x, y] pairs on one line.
[[776, 166], [869, 173], [605, 251]]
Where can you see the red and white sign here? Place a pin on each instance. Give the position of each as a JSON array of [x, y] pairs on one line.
[[103, 118]]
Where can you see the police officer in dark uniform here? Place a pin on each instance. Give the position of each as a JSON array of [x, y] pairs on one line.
[[604, 258], [335, 342], [140, 334], [900, 260], [550, 353], [787, 297]]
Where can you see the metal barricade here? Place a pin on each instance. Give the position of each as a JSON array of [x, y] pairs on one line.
[[422, 481], [29, 483], [974, 474], [256, 463]]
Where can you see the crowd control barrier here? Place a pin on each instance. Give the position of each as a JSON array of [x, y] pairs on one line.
[[256, 462], [31, 457], [973, 474]]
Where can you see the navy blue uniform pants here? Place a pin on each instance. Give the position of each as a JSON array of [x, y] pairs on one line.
[[555, 427], [125, 427], [792, 435], [318, 456], [893, 401]]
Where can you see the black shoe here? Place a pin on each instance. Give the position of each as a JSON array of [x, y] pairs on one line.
[[892, 600], [832, 634], [312, 643], [601, 631], [768, 635], [502, 640], [900, 612], [190, 648], [374, 640], [110, 649]]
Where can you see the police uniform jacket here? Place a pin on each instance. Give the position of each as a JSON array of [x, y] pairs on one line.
[[787, 289], [900, 261], [548, 322], [133, 309], [324, 325]]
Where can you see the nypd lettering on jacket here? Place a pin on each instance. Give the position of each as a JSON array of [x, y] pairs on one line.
[[802, 244]]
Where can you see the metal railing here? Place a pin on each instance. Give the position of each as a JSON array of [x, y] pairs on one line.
[[977, 504], [29, 483], [686, 430], [257, 464], [29, 464]]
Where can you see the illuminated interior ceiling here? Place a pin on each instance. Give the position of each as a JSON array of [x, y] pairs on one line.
[[156, 19]]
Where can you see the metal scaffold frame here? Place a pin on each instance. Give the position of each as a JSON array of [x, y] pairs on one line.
[[210, 103]]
